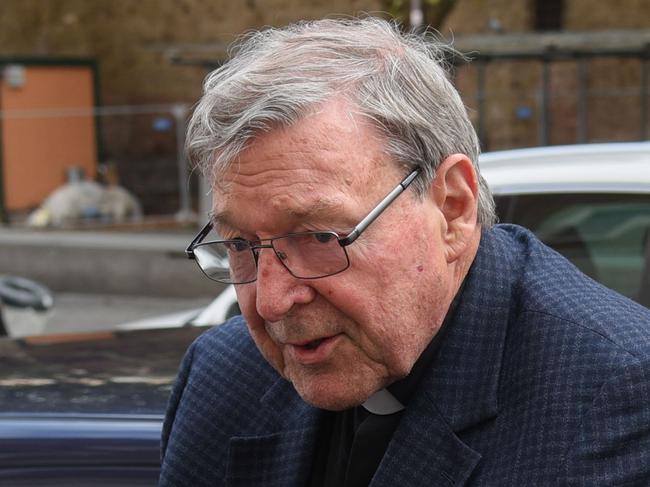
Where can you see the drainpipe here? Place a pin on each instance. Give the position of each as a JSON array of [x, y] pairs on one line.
[[416, 16]]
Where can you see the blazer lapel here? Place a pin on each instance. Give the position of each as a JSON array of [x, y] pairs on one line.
[[460, 390], [424, 451], [283, 457]]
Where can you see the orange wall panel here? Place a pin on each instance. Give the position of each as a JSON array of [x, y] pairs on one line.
[[47, 126]]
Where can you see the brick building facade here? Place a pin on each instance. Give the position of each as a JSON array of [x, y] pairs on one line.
[[150, 56]]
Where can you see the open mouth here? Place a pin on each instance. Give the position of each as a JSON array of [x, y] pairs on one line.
[[315, 351], [313, 345]]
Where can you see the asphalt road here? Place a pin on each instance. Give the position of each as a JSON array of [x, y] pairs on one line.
[[94, 312]]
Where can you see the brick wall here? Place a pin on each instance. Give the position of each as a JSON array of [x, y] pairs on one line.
[[134, 41], [513, 89]]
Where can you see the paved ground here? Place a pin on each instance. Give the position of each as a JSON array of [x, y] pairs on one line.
[[92, 312], [101, 278], [104, 262]]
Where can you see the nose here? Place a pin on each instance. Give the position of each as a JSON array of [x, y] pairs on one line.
[[277, 291]]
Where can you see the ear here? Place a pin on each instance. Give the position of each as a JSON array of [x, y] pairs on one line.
[[455, 193]]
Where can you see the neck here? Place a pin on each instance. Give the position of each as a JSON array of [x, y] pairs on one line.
[[462, 265]]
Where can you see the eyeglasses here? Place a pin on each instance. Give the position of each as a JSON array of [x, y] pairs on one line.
[[306, 255]]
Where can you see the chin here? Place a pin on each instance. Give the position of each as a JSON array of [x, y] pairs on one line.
[[333, 396]]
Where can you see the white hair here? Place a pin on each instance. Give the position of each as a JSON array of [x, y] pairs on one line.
[[397, 80]]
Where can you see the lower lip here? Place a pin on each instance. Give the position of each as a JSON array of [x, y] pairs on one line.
[[308, 356]]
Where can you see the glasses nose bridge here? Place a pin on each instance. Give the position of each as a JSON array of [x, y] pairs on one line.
[[258, 245]]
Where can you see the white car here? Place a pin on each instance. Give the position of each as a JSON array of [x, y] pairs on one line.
[[223, 307], [589, 202]]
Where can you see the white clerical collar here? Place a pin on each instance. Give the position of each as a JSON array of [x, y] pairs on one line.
[[382, 403]]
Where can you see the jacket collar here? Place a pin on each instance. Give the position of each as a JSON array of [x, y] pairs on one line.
[[464, 380], [460, 390]]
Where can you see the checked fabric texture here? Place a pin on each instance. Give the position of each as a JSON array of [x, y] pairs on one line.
[[543, 378]]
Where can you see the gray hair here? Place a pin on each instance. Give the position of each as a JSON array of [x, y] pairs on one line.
[[398, 81]]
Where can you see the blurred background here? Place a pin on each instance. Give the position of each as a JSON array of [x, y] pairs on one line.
[[96, 200]]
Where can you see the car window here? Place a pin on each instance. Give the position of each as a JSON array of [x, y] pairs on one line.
[[605, 235]]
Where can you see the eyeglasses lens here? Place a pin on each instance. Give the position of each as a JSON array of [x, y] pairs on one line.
[[311, 255], [306, 255]]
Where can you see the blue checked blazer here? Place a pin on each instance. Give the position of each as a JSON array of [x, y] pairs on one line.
[[543, 378]]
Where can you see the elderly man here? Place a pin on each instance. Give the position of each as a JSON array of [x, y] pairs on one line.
[[391, 334]]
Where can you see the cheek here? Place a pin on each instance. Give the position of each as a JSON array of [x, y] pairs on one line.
[[399, 264], [390, 297], [246, 300], [384, 280], [246, 296]]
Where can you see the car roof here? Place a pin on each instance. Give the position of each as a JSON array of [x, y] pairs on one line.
[[610, 168]]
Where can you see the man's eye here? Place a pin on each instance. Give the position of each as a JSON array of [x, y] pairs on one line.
[[238, 245], [324, 237]]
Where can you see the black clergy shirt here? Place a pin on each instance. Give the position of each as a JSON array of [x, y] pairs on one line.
[[351, 443]]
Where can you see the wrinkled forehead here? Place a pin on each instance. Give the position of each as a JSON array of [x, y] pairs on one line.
[[276, 194], [331, 127], [318, 166]]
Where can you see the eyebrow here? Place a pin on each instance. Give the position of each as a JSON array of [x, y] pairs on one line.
[[220, 218], [319, 209], [221, 221]]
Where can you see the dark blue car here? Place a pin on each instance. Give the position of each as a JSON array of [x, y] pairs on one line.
[[86, 409]]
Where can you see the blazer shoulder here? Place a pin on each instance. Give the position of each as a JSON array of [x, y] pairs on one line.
[[548, 285], [228, 353], [217, 396]]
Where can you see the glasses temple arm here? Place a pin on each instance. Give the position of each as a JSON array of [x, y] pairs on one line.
[[189, 251], [377, 210]]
